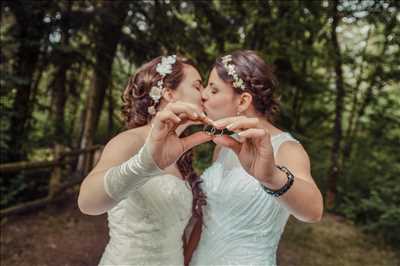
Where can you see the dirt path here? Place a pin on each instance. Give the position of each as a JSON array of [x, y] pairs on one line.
[[59, 235]]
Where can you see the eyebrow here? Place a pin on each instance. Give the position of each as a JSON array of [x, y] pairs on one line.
[[196, 81]]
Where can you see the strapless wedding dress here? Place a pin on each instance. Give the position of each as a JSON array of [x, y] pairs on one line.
[[242, 223], [146, 228]]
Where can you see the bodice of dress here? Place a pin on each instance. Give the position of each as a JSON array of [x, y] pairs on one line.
[[242, 223], [146, 228]]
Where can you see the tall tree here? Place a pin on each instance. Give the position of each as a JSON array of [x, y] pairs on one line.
[[334, 170], [30, 31], [109, 21], [59, 88]]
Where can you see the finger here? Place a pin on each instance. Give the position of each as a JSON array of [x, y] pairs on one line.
[[199, 121], [192, 123], [253, 133], [195, 139], [228, 142], [244, 123], [190, 111], [222, 123], [183, 115], [185, 122], [208, 120]]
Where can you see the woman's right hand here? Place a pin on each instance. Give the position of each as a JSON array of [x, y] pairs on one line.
[[165, 146]]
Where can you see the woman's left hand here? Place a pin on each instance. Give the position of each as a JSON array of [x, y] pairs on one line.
[[254, 148]]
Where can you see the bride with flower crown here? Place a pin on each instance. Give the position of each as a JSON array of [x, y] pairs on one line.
[[150, 211], [260, 175]]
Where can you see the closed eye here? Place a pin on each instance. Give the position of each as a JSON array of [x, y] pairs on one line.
[[197, 85]]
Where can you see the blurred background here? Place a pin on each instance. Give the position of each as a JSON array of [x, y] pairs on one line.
[[64, 66]]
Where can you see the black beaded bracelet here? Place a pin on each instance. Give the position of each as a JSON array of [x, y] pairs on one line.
[[282, 190]]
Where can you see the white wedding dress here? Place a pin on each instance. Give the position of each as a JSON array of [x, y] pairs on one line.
[[242, 223], [146, 228]]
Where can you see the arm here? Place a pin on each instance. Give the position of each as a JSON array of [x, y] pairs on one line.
[[256, 155], [303, 199], [126, 163], [93, 199]]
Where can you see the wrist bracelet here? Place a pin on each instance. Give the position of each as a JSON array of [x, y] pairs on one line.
[[282, 190]]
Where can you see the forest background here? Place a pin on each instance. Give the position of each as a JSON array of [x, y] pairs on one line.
[[64, 66]]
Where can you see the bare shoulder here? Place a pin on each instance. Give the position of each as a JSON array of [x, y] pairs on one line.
[[293, 150], [120, 148]]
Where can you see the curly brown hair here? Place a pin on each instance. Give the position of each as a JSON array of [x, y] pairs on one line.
[[136, 100], [259, 79]]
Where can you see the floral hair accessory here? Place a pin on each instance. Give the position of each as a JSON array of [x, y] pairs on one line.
[[163, 68], [238, 83]]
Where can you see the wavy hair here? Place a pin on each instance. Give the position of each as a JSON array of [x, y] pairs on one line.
[[259, 79], [136, 100]]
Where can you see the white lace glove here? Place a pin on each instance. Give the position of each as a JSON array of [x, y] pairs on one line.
[[130, 175]]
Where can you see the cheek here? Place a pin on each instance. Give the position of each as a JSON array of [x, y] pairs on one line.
[[215, 101], [220, 107], [192, 96], [196, 95], [220, 101]]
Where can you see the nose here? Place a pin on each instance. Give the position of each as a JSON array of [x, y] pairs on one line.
[[204, 94]]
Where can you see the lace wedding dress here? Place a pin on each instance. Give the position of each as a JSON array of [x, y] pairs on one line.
[[242, 223], [146, 228]]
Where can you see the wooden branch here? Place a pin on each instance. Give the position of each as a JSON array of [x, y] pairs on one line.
[[20, 166], [80, 151], [24, 207], [55, 188]]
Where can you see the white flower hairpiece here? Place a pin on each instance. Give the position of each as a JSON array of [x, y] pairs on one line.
[[163, 68], [238, 83]]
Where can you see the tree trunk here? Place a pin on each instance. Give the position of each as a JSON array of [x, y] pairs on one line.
[[30, 32], [108, 36], [60, 81], [335, 170], [110, 112]]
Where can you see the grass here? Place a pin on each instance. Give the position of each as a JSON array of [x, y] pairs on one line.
[[333, 242]]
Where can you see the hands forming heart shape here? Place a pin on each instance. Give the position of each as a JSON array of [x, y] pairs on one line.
[[253, 146]]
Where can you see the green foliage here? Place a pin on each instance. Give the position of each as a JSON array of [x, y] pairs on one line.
[[23, 187], [293, 35], [370, 187]]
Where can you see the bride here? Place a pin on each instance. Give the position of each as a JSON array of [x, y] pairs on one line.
[[260, 175], [148, 208]]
